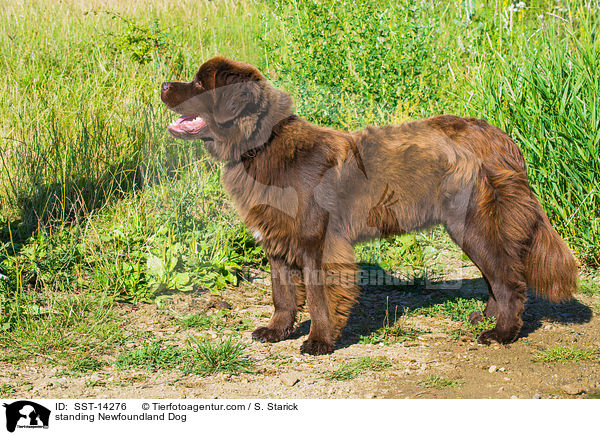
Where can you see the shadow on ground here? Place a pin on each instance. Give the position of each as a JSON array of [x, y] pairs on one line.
[[381, 305]]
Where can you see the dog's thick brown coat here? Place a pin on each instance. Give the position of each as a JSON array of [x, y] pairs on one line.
[[309, 193]]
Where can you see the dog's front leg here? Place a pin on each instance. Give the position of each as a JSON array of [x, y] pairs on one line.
[[320, 338], [331, 292], [285, 300]]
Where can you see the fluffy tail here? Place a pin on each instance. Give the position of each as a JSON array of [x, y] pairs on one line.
[[550, 268]]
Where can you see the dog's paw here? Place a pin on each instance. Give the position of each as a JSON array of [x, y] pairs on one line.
[[268, 335], [314, 347], [486, 337], [476, 317]]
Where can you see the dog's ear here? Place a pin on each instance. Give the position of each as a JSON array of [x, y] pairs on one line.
[[239, 90]]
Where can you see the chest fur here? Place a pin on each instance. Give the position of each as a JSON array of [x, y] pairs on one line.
[[283, 218]]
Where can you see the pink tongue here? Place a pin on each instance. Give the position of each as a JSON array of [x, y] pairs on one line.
[[188, 124]]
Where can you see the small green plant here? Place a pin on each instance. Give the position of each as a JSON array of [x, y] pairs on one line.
[[439, 382], [589, 287], [86, 363], [279, 359], [459, 309], [152, 356], [202, 321], [6, 390], [216, 321], [139, 41], [164, 269], [396, 332], [222, 356], [241, 325], [352, 370], [95, 383], [467, 329], [566, 354], [455, 308]]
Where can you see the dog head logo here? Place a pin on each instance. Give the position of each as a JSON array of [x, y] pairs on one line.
[[26, 414]]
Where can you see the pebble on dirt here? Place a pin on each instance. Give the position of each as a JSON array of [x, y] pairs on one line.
[[289, 379], [573, 389]]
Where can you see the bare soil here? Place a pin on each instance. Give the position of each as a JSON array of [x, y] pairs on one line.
[[280, 371]]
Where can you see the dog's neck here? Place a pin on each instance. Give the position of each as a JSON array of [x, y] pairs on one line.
[[253, 152]]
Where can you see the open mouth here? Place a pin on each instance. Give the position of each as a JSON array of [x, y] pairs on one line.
[[190, 125]]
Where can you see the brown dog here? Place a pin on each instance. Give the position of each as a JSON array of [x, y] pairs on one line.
[[309, 193]]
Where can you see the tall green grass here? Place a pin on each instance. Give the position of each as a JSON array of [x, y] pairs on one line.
[[80, 118], [547, 97]]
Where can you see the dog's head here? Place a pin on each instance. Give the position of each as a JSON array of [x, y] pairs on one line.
[[228, 104]]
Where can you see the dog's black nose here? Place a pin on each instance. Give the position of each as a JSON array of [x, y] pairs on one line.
[[165, 86]]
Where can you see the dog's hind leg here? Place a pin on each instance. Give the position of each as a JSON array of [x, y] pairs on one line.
[[286, 298], [495, 230], [506, 284], [491, 308], [503, 272], [457, 233], [331, 293]]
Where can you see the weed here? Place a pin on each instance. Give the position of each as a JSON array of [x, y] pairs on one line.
[[223, 356], [241, 325], [566, 354], [396, 332], [455, 308], [380, 67], [95, 383], [459, 309], [202, 321], [217, 321], [352, 370], [279, 359], [467, 329], [131, 380], [98, 203], [401, 252], [152, 356], [6, 390], [439, 382], [589, 286], [27, 386], [86, 364], [140, 41]]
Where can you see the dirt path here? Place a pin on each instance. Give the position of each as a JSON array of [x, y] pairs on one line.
[[441, 361]]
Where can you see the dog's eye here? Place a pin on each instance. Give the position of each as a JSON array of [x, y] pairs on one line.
[[226, 124]]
